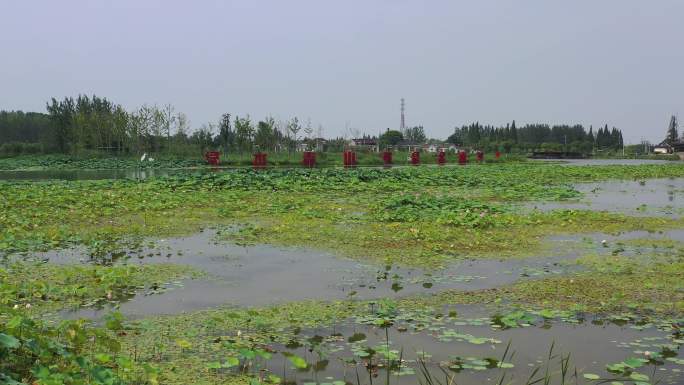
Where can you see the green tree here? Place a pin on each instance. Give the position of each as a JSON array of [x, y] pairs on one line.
[[244, 133], [169, 119], [226, 135], [294, 127], [61, 114], [308, 129], [455, 138], [390, 138], [204, 137], [416, 134], [514, 132], [672, 134], [29, 127], [265, 134]]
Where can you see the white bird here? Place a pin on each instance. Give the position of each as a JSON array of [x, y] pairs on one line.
[[143, 157]]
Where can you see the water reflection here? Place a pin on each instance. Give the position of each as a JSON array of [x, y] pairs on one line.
[[470, 348]]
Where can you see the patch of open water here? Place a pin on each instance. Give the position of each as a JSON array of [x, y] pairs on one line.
[[265, 275], [467, 346], [650, 197], [596, 239], [605, 162]]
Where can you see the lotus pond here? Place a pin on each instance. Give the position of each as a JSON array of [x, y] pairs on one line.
[[510, 273]]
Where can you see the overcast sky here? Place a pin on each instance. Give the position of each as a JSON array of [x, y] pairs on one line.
[[340, 63]]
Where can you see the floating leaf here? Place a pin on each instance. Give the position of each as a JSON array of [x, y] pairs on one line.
[[297, 361], [638, 377], [8, 342], [183, 344]]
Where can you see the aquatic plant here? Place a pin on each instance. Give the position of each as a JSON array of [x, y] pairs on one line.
[[421, 216], [70, 353]]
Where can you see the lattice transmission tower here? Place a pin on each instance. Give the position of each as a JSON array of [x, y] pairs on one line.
[[402, 125]]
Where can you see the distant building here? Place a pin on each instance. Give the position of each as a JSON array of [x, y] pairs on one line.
[[451, 147], [315, 144], [408, 145], [303, 146], [320, 144], [441, 147], [363, 142], [663, 148], [367, 143]]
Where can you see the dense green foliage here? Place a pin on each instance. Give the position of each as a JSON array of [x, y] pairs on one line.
[[415, 134], [33, 350], [96, 125], [44, 286], [538, 137], [51, 214], [24, 133], [443, 209], [390, 138], [66, 162], [508, 181]]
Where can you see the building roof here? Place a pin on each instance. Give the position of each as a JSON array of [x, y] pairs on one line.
[[364, 141], [409, 143]]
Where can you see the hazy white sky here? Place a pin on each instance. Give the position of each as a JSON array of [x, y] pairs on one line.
[[618, 62]]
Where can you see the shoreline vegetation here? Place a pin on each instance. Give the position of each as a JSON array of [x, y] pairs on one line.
[[278, 160]]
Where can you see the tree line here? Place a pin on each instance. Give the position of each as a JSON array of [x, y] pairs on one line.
[[23, 131], [95, 124], [532, 137]]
